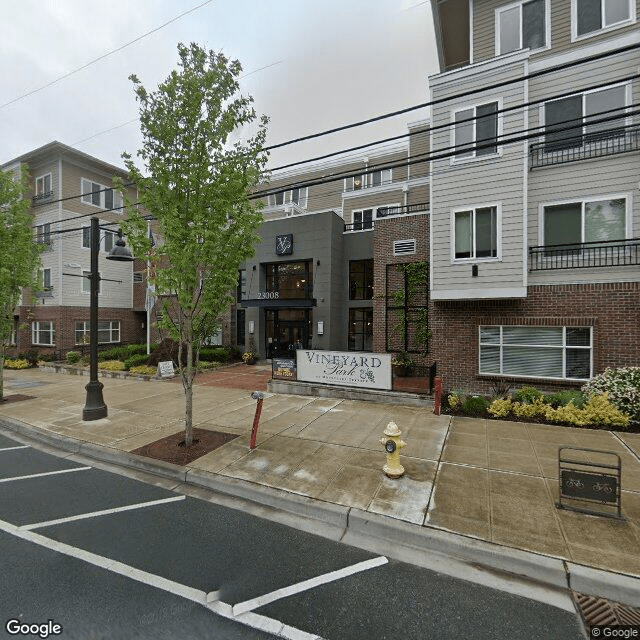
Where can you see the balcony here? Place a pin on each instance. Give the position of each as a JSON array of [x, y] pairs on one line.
[[604, 143], [41, 198], [387, 212], [612, 253]]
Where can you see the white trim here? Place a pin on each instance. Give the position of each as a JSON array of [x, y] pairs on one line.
[[470, 72], [35, 333], [631, 4], [471, 32], [478, 293], [518, 3], [525, 186], [473, 259], [367, 191], [455, 160]]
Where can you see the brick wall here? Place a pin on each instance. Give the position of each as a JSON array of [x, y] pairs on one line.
[[612, 309], [385, 233]]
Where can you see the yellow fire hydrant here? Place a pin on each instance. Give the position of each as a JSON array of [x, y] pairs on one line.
[[392, 445]]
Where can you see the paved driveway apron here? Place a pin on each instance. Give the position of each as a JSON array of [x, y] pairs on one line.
[[149, 551]]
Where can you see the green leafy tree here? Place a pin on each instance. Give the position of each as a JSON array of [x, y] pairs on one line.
[[20, 253], [195, 182]]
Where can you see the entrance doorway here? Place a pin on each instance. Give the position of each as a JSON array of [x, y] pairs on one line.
[[286, 331]]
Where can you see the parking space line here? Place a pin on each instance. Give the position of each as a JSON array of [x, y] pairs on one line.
[[22, 446], [104, 512], [305, 585], [46, 473]]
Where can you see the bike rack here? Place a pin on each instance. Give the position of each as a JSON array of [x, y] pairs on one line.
[[590, 482]]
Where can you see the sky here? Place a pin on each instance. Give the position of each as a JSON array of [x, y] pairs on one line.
[[309, 65]]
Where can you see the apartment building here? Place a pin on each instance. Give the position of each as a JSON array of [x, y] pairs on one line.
[[535, 191], [332, 232], [67, 188]]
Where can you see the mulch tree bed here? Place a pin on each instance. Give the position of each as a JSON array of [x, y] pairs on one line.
[[172, 449], [16, 397]]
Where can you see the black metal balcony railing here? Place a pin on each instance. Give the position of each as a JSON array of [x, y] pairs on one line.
[[595, 145], [385, 212], [612, 253], [41, 197]]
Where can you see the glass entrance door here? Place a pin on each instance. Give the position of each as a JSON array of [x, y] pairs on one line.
[[286, 331]]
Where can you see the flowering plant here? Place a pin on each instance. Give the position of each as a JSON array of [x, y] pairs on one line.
[[249, 356]]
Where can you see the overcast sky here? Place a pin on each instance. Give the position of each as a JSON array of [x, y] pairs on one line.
[[310, 65]]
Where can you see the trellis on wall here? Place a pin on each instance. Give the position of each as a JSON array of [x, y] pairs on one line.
[[407, 315]]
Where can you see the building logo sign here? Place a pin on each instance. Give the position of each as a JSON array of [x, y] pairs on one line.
[[345, 368], [284, 244]]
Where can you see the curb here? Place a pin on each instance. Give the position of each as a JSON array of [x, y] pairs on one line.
[[404, 539]]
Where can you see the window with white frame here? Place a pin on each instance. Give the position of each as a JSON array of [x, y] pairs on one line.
[[536, 352], [107, 239], [299, 197], [363, 220], [43, 233], [43, 333], [572, 121], [46, 279], [591, 16], [296, 196], [477, 126], [377, 178], [99, 195], [521, 26], [584, 221], [43, 186], [86, 282], [354, 183], [108, 331], [476, 233]]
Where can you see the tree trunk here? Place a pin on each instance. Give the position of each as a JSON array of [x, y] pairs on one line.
[[188, 392], [2, 356]]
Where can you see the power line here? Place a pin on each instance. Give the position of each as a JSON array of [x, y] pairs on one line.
[[103, 56], [497, 85]]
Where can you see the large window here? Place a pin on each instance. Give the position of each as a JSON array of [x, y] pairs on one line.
[[476, 233], [569, 122], [296, 196], [363, 220], [376, 178], [290, 280], [43, 233], [476, 126], [360, 279], [521, 26], [43, 187], [108, 331], [586, 221], [360, 329], [590, 16], [240, 327], [43, 333], [537, 352], [99, 195]]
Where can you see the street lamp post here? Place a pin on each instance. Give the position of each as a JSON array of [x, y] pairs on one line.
[[94, 407]]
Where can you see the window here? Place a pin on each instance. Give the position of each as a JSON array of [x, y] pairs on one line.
[[240, 326], [107, 239], [540, 352], [43, 233], [108, 331], [100, 196], [376, 178], [521, 26], [86, 282], [477, 125], [590, 16], [354, 183], [241, 293], [46, 279], [294, 196], [587, 221], [43, 333], [43, 186], [363, 220], [564, 118], [290, 280], [360, 279], [299, 197], [360, 329], [476, 233]]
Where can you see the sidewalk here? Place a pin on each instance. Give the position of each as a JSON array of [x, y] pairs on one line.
[[487, 480]]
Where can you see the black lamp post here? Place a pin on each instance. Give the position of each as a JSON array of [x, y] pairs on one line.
[[94, 407]]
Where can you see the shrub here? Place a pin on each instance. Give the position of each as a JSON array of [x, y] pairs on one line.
[[529, 410], [135, 360], [598, 411], [500, 408], [563, 398], [112, 365], [143, 369], [209, 365], [528, 395], [623, 387], [453, 399], [73, 357], [122, 352], [475, 405], [214, 354], [23, 363]]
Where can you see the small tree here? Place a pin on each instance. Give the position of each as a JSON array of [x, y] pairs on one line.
[[196, 183], [20, 253]]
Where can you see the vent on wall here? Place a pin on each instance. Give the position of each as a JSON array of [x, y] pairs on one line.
[[404, 247]]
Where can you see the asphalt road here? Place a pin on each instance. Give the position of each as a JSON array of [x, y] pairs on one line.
[[106, 556]]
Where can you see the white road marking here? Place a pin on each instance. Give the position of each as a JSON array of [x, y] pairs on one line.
[[22, 446], [255, 603], [104, 512], [47, 473]]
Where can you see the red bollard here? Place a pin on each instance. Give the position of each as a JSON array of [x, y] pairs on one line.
[[438, 395], [259, 396]]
